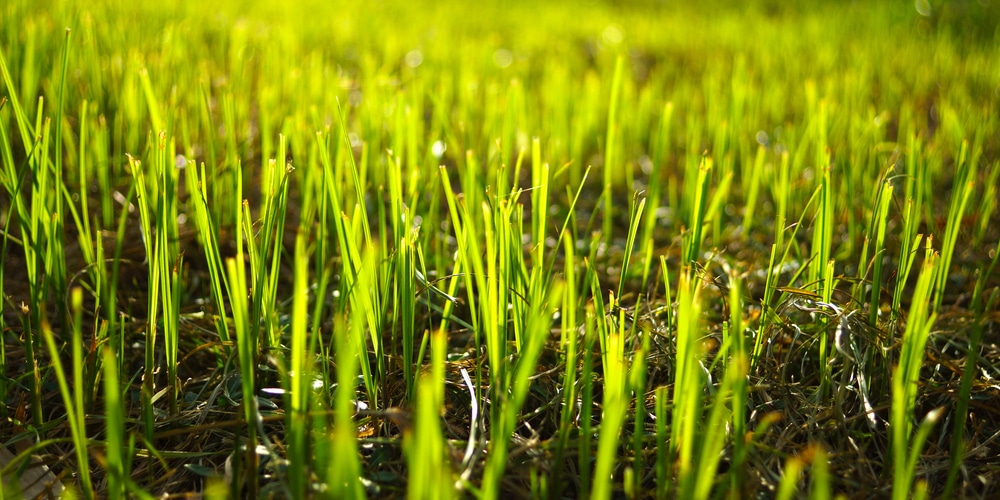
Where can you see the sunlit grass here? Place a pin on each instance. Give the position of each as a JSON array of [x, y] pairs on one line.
[[447, 250]]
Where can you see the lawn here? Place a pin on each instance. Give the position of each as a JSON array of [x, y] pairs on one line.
[[636, 249]]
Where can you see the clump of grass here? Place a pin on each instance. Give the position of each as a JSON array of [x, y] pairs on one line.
[[906, 447]]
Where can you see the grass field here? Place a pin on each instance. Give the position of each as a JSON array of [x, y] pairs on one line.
[[439, 249]]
